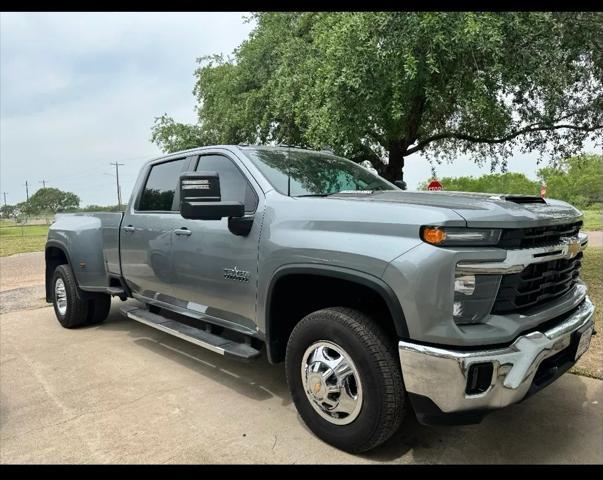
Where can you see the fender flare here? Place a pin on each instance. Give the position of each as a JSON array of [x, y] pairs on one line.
[[374, 283], [61, 246]]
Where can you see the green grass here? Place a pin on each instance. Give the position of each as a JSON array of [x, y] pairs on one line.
[[17, 239], [592, 220], [25, 230], [592, 274]]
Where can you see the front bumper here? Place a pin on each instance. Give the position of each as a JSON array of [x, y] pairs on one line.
[[440, 376]]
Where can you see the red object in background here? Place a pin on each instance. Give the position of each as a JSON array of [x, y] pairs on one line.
[[542, 190], [434, 185]]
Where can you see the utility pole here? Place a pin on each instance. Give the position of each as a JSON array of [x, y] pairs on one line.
[[43, 182], [27, 190], [117, 165], [4, 193]]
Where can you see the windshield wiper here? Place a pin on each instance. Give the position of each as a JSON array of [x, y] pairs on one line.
[[365, 192]]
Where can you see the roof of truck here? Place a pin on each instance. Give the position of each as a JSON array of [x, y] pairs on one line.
[[242, 146]]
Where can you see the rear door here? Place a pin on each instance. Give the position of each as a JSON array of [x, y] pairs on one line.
[[147, 230], [215, 271]]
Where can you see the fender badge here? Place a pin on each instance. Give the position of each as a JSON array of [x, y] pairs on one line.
[[236, 274]]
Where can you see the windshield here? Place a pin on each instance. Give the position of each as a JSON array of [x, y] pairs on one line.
[[313, 173]]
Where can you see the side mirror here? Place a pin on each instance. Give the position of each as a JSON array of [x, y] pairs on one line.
[[200, 198], [401, 184]]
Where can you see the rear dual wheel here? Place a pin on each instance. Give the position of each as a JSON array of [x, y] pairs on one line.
[[73, 307]]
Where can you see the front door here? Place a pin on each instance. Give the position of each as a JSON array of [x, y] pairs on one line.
[[215, 271]]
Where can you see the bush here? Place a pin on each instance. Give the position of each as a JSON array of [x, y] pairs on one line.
[[494, 183], [577, 180]]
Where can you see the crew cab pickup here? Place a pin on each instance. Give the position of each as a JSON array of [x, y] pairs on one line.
[[381, 302]]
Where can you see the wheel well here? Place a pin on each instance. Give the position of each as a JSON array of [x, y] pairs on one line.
[[54, 257], [296, 295]]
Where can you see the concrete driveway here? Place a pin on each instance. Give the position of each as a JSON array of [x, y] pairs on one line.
[[125, 393]]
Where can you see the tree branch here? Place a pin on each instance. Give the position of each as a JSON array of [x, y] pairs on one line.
[[510, 136]]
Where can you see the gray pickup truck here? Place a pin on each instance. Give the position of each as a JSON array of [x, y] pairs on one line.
[[380, 301]]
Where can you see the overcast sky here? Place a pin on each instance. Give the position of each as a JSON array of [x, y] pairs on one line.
[[81, 90]]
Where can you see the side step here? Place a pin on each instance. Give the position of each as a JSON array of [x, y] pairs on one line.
[[215, 343]]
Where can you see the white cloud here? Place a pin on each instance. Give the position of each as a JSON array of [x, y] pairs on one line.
[[81, 90]]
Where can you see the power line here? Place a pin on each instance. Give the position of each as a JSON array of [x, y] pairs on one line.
[[117, 165]]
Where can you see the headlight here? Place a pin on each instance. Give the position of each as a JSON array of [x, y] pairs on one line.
[[460, 236], [473, 297]]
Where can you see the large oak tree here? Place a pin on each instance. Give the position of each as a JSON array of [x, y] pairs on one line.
[[382, 86]]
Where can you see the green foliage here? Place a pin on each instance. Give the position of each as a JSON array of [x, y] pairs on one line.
[[509, 182], [8, 211], [50, 200], [101, 208], [173, 137], [578, 180], [380, 86]]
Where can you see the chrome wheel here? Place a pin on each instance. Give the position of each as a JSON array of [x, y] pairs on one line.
[[331, 382], [60, 296]]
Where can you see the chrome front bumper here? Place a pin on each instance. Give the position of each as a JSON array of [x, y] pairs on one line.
[[442, 374]]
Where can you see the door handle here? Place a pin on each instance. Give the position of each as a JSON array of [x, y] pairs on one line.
[[183, 231], [129, 228]]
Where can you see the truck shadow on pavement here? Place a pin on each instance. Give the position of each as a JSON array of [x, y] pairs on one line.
[[539, 430], [258, 382]]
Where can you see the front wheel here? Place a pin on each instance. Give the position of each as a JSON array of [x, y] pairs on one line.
[[345, 379]]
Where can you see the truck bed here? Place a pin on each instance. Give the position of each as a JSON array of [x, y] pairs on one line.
[[92, 242]]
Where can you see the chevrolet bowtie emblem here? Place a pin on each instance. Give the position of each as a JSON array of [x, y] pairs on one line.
[[573, 247]]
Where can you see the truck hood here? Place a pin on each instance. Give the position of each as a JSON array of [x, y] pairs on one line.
[[481, 209]]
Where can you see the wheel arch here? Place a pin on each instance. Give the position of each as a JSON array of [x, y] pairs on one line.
[[55, 254], [277, 334]]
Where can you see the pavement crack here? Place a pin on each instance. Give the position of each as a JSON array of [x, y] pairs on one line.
[[92, 412]]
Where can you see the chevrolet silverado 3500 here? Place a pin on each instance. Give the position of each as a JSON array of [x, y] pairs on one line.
[[381, 302]]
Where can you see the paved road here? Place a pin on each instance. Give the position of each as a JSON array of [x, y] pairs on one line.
[[122, 392], [21, 270], [595, 239]]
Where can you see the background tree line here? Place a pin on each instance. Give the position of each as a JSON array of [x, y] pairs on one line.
[[577, 180], [50, 201]]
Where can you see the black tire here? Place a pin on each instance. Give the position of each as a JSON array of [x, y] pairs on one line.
[[98, 308], [76, 313], [374, 355]]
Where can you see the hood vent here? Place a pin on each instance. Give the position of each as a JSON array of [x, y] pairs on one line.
[[520, 198]]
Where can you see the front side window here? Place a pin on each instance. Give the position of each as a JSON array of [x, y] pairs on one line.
[[234, 186], [307, 173], [160, 189]]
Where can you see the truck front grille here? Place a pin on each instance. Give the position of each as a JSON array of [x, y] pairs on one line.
[[536, 285], [537, 236]]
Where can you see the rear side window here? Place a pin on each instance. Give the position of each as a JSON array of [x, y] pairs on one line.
[[233, 184], [160, 189]]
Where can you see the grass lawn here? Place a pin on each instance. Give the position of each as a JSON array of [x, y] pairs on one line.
[[17, 239], [591, 363], [592, 220]]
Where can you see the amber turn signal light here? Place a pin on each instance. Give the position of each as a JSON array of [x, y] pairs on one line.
[[433, 235]]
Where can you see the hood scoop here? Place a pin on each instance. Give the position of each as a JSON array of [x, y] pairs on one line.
[[519, 198]]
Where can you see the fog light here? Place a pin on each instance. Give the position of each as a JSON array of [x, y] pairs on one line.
[[474, 296], [464, 284]]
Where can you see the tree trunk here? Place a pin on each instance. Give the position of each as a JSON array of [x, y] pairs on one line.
[[394, 169]]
